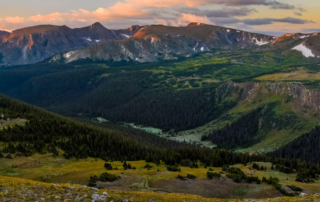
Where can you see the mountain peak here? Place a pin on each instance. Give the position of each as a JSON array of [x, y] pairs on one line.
[[37, 29], [134, 28], [195, 24], [97, 25]]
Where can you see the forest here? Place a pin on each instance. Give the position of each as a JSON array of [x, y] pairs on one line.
[[239, 134], [306, 147]]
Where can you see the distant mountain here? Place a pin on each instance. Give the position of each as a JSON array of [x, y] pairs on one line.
[[33, 44], [307, 44], [2, 33], [156, 42]]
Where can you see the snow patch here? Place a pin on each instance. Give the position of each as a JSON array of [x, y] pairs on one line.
[[68, 55], [238, 31], [195, 47], [304, 50], [304, 36], [260, 43], [228, 30], [202, 49], [98, 41], [125, 35], [88, 39]]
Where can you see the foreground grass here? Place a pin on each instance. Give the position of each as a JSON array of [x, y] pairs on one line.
[[47, 169], [14, 189]]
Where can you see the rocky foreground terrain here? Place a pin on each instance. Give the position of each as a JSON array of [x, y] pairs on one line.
[[13, 189]]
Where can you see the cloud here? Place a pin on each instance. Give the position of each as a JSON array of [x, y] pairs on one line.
[[268, 21], [191, 3], [225, 12], [184, 19], [301, 9], [118, 11], [15, 19], [298, 14]]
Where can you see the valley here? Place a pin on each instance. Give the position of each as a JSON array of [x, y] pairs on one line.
[[157, 112]]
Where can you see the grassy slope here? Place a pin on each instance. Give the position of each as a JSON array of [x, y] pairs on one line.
[[16, 189]]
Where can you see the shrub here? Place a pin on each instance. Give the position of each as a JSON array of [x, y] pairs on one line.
[[181, 178], [175, 168], [211, 175], [190, 176], [294, 188], [108, 166], [148, 166], [107, 177]]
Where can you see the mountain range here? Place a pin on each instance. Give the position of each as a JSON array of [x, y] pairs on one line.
[[141, 44]]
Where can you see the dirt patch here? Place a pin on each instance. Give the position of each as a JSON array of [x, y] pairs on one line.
[[218, 188], [32, 164]]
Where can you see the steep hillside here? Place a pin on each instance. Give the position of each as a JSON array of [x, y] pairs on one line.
[[33, 44], [157, 42]]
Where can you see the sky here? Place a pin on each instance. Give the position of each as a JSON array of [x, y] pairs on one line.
[[274, 17]]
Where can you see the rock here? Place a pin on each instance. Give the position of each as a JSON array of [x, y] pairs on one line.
[[97, 197], [94, 189]]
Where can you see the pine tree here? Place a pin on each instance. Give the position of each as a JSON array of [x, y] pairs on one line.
[[125, 166]]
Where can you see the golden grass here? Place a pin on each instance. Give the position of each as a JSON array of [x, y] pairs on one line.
[[301, 74]]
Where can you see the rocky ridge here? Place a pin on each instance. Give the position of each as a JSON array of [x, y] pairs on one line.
[[157, 42]]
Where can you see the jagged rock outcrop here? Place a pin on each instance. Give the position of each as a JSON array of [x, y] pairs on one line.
[[308, 99]]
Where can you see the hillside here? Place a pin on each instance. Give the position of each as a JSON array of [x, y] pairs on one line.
[[34, 44]]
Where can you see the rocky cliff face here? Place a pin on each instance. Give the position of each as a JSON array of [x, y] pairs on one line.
[[308, 99], [34, 44], [157, 42]]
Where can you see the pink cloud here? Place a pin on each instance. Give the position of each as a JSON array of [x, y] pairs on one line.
[[15, 19], [118, 11], [168, 3], [184, 19]]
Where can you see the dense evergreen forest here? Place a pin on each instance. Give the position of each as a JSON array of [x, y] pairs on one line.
[[305, 147], [119, 95], [239, 134]]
